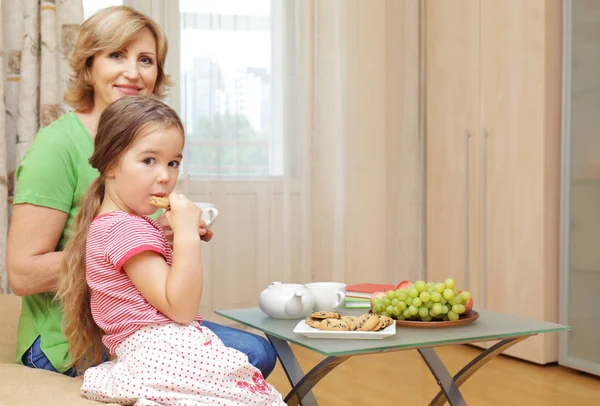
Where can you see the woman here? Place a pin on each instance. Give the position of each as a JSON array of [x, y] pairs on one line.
[[119, 52]]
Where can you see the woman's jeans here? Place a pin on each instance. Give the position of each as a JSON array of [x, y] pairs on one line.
[[259, 351]]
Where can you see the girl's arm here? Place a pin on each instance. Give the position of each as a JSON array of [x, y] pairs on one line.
[[31, 262], [176, 291]]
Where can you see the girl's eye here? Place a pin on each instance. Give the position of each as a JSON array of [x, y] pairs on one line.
[[115, 55], [149, 161], [174, 164]]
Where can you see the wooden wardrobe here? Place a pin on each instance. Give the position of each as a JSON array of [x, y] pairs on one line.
[[493, 132]]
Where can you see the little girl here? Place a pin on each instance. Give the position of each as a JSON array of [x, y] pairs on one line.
[[123, 286]]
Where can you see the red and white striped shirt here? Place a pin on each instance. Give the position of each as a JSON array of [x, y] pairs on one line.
[[118, 308]]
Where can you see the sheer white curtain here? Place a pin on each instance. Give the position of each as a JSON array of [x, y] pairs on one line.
[[36, 38], [303, 126]]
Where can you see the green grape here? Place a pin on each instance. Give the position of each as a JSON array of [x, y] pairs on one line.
[[456, 309], [401, 294], [454, 301], [445, 318], [412, 292], [424, 296], [389, 309], [386, 302], [417, 302], [452, 316], [379, 308], [440, 287], [465, 295], [408, 301], [450, 283], [429, 304], [390, 294], [432, 313], [401, 317], [427, 318], [412, 310], [448, 294], [406, 314], [461, 309], [420, 286], [423, 312], [376, 302], [386, 314], [402, 306], [395, 302], [443, 300], [436, 296], [445, 309], [430, 285], [396, 311], [437, 308]]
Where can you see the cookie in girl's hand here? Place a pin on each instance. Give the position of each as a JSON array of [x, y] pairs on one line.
[[161, 202]]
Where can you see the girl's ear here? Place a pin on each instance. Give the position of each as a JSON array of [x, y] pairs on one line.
[[110, 173]]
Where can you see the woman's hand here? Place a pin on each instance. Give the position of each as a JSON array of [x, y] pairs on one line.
[[204, 233]]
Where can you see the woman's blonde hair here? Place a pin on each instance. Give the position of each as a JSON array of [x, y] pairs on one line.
[[111, 29], [121, 124]]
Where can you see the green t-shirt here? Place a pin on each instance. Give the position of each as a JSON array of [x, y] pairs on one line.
[[54, 173]]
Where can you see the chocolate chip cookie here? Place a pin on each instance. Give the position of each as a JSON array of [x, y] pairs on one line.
[[325, 315], [334, 325], [365, 322]]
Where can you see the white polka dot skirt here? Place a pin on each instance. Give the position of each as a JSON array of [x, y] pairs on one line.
[[174, 364]]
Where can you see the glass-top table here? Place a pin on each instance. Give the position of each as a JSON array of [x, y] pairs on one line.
[[490, 326]]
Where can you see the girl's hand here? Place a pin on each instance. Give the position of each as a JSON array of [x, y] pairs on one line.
[[204, 233], [184, 216]]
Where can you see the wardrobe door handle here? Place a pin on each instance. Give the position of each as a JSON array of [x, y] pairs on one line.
[[484, 219], [467, 136]]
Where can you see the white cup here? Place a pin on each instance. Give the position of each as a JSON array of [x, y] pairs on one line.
[[329, 296], [209, 213]]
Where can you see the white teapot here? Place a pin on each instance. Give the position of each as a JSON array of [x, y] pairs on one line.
[[286, 301]]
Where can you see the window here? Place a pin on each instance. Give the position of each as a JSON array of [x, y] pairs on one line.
[[226, 87], [227, 90]]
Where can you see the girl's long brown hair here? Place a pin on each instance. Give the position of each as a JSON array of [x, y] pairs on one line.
[[121, 123]]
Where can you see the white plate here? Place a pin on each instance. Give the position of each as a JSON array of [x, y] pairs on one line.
[[310, 332]]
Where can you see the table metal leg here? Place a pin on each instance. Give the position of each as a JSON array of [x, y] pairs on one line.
[[472, 367], [443, 377], [302, 384]]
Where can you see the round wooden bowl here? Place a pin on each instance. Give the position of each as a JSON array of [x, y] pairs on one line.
[[462, 321]]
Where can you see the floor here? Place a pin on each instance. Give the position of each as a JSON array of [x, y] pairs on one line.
[[403, 378]]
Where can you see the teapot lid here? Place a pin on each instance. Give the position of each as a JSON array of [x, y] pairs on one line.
[[279, 285]]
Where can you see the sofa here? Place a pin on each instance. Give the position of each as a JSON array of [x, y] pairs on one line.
[[20, 385]]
